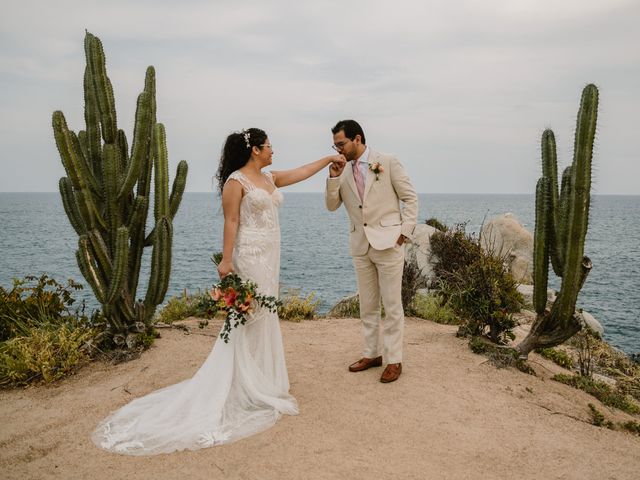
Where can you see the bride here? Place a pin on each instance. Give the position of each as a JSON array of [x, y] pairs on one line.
[[242, 387]]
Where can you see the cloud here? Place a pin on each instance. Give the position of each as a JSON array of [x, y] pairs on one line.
[[467, 85]]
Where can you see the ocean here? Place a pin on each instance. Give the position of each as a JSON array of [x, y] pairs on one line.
[[36, 237]]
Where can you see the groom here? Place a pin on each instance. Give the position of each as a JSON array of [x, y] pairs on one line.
[[371, 185]]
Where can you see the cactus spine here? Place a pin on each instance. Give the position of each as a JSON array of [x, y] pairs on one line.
[[562, 220], [106, 198]]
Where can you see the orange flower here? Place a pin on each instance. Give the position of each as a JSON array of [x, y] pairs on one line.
[[230, 297]]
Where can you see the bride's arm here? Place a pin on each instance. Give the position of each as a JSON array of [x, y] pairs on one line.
[[231, 198], [282, 178]]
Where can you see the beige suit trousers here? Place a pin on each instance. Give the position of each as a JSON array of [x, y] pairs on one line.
[[379, 276]]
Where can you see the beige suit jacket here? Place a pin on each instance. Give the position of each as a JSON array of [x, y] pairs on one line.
[[377, 220]]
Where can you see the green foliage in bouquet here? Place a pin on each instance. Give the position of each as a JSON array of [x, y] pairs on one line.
[[562, 220], [106, 195], [238, 298]]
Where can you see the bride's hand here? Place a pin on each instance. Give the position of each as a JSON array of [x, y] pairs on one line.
[[225, 267], [337, 165]]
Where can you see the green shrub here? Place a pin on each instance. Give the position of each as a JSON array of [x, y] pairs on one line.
[[602, 391], [297, 308], [559, 357], [437, 224], [45, 353], [41, 338], [185, 306], [476, 284], [34, 301], [431, 307], [631, 426], [412, 281], [598, 419], [348, 307]]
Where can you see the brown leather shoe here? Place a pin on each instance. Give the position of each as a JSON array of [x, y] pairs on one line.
[[391, 373], [365, 363]]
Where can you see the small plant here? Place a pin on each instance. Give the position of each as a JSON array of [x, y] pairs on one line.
[[598, 419], [185, 306], [437, 224], [602, 391], [296, 308], [559, 357], [498, 355], [585, 341], [431, 307], [412, 281], [631, 426]]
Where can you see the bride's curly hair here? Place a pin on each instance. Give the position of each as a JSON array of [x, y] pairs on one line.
[[237, 152]]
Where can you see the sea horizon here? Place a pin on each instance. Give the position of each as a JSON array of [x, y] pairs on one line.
[[37, 238]]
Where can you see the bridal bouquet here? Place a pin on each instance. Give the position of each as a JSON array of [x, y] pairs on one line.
[[237, 298]]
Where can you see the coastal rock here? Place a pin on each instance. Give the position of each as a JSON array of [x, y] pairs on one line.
[[506, 236], [527, 293], [420, 250], [590, 321]]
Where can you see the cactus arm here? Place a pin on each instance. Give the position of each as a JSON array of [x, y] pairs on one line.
[[160, 266], [540, 246], [161, 173], [579, 199], [110, 175], [89, 270], [71, 206], [563, 215], [140, 148], [92, 120], [71, 154], [136, 231], [550, 171], [101, 252], [103, 90], [177, 189], [121, 261]]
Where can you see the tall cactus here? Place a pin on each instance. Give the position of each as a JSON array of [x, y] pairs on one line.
[[106, 197], [562, 220]]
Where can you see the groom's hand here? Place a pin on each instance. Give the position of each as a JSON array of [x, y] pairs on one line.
[[338, 163]]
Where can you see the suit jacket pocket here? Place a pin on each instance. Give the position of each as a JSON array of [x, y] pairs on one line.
[[390, 221]]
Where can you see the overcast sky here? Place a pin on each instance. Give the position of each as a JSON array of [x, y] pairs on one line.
[[460, 91]]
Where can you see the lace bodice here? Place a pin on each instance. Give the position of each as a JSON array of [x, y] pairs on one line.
[[259, 208]]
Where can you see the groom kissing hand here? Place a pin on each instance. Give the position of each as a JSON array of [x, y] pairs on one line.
[[371, 185]]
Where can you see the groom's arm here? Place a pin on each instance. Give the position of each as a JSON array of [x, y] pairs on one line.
[[407, 194], [332, 198]]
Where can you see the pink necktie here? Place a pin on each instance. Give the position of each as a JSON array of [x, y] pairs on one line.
[[357, 176]]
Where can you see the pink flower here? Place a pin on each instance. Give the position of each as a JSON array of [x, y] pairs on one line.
[[215, 293]]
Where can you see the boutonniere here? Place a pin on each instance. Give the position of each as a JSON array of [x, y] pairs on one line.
[[376, 168]]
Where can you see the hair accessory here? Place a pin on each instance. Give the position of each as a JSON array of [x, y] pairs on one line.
[[246, 134]]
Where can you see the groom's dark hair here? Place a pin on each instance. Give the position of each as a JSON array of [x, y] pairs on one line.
[[351, 128]]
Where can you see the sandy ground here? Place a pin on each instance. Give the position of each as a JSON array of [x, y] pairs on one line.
[[451, 415]]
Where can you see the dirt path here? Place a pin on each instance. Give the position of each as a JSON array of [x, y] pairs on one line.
[[451, 415]]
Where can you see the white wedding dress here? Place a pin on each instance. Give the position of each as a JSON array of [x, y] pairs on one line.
[[243, 387]]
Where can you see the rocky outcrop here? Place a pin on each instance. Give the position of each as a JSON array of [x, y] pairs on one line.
[[419, 249], [506, 236]]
